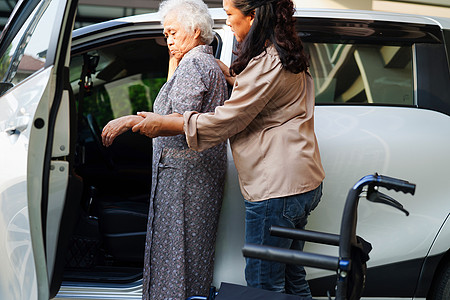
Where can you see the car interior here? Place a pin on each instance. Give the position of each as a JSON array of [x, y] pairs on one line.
[[109, 81]]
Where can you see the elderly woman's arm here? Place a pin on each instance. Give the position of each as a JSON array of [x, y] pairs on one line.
[[116, 127], [154, 125]]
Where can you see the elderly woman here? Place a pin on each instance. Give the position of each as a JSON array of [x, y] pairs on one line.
[[187, 186], [269, 120]]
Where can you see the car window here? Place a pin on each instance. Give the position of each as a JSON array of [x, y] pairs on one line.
[[27, 52], [126, 79], [447, 47], [358, 73]]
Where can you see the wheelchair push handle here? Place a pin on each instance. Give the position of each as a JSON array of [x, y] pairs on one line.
[[387, 182], [396, 184], [390, 183]]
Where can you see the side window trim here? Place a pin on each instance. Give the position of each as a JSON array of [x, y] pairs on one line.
[[367, 31], [18, 17], [446, 33], [433, 87], [15, 59]]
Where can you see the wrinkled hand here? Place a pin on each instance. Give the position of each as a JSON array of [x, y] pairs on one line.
[[149, 125], [116, 127], [173, 64]]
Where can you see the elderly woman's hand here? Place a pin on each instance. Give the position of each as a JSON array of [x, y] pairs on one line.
[[173, 64], [154, 125], [116, 127]]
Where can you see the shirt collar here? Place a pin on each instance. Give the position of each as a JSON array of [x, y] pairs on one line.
[[200, 48]]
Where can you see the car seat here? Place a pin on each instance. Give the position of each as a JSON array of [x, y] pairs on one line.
[[123, 227]]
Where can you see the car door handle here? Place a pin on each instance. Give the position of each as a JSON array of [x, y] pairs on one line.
[[16, 129], [18, 126]]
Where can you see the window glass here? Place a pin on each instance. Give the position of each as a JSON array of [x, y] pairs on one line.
[[27, 52], [354, 73]]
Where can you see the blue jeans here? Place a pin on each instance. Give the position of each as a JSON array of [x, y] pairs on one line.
[[292, 212]]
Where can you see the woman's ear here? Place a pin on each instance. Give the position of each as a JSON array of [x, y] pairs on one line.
[[197, 33], [252, 17]]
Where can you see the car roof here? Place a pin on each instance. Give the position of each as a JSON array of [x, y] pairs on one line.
[[372, 15], [219, 15]]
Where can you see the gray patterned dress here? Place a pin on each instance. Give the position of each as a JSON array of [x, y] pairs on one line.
[[187, 187]]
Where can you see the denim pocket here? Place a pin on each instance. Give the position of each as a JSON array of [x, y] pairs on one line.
[[317, 197], [297, 207], [294, 208]]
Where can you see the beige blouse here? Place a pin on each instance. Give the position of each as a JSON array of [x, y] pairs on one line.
[[269, 120]]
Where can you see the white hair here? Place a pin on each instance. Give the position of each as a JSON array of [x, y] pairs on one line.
[[191, 14]]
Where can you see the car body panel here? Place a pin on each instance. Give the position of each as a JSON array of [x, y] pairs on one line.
[[440, 244], [378, 152], [390, 147], [219, 15]]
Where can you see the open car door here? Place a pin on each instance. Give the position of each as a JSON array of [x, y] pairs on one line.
[[36, 108]]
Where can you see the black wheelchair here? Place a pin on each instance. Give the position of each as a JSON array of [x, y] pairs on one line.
[[350, 265]]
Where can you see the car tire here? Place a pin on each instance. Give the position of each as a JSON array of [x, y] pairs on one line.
[[440, 289]]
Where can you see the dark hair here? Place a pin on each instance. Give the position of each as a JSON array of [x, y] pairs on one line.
[[273, 23]]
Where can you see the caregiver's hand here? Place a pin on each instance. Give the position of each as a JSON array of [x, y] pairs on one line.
[[154, 125]]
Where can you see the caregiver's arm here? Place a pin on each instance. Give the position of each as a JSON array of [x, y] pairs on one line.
[[154, 125]]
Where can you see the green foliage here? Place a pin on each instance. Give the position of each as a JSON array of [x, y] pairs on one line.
[[4, 62]]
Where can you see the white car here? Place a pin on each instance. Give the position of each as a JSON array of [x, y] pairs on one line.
[[73, 213]]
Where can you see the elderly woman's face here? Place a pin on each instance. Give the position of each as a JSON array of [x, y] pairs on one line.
[[178, 40]]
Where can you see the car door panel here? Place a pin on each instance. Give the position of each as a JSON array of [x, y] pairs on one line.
[[18, 275], [17, 239], [28, 114]]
